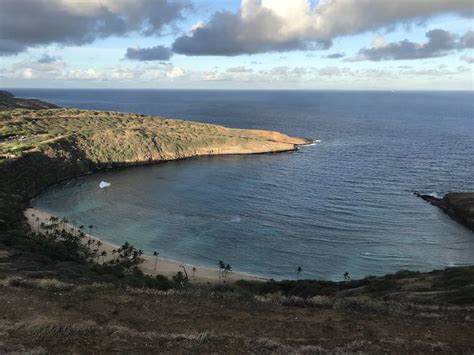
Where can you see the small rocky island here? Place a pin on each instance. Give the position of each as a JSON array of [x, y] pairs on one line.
[[457, 205]]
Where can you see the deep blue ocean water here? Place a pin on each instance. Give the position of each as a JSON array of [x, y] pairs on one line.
[[344, 204]]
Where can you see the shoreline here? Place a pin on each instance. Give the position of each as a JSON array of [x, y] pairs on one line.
[[165, 267]]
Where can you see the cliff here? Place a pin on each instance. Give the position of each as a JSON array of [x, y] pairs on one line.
[[39, 148], [457, 205]]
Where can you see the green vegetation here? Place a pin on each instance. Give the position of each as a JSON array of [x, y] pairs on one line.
[[65, 257]]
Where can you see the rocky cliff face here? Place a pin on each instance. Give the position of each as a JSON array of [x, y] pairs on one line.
[[44, 147], [458, 205]]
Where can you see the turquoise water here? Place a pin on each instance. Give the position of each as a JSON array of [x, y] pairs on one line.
[[344, 204]]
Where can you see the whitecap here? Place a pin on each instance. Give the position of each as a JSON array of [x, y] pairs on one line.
[[311, 144]]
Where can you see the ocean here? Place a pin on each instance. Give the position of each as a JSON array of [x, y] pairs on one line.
[[344, 204]]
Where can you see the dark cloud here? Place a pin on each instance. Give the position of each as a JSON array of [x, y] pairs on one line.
[[227, 34], [148, 54], [47, 59], [8, 47], [27, 23], [440, 43], [259, 27], [334, 56], [467, 41]]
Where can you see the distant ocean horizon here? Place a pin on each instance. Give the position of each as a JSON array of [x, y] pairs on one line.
[[343, 204]]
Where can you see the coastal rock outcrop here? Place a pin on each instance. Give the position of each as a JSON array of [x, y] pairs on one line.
[[457, 205]]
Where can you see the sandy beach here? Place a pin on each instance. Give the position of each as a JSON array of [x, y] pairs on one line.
[[164, 266]]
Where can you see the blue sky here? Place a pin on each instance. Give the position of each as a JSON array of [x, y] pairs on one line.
[[248, 44]]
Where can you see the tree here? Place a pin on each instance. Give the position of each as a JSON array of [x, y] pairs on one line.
[[114, 251], [155, 254], [298, 272], [180, 279], [221, 267], [103, 255], [90, 229], [95, 254], [185, 272], [227, 269]]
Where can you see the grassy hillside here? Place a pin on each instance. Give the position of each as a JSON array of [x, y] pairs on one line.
[[39, 148], [8, 101]]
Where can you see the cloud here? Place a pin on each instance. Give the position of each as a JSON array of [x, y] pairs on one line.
[[334, 56], [9, 47], [467, 41], [148, 54], [281, 25], [126, 74], [29, 23], [175, 72], [440, 43], [46, 59], [468, 59], [239, 69]]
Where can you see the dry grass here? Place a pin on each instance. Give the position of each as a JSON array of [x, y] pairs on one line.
[[41, 284]]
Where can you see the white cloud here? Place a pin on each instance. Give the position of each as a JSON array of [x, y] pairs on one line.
[[175, 72], [468, 58], [281, 25]]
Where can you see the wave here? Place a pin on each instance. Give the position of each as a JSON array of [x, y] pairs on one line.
[[311, 144]]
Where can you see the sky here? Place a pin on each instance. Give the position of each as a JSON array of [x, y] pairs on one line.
[[238, 44]]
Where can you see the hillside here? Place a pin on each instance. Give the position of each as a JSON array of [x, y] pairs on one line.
[[39, 148], [8, 101]]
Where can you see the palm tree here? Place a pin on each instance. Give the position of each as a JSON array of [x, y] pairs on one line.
[[298, 272], [96, 254], [90, 229], [155, 254], [38, 223], [99, 244], [194, 271], [103, 255], [114, 251], [221, 267], [227, 269]]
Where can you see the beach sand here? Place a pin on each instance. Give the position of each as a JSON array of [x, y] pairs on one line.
[[164, 267]]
